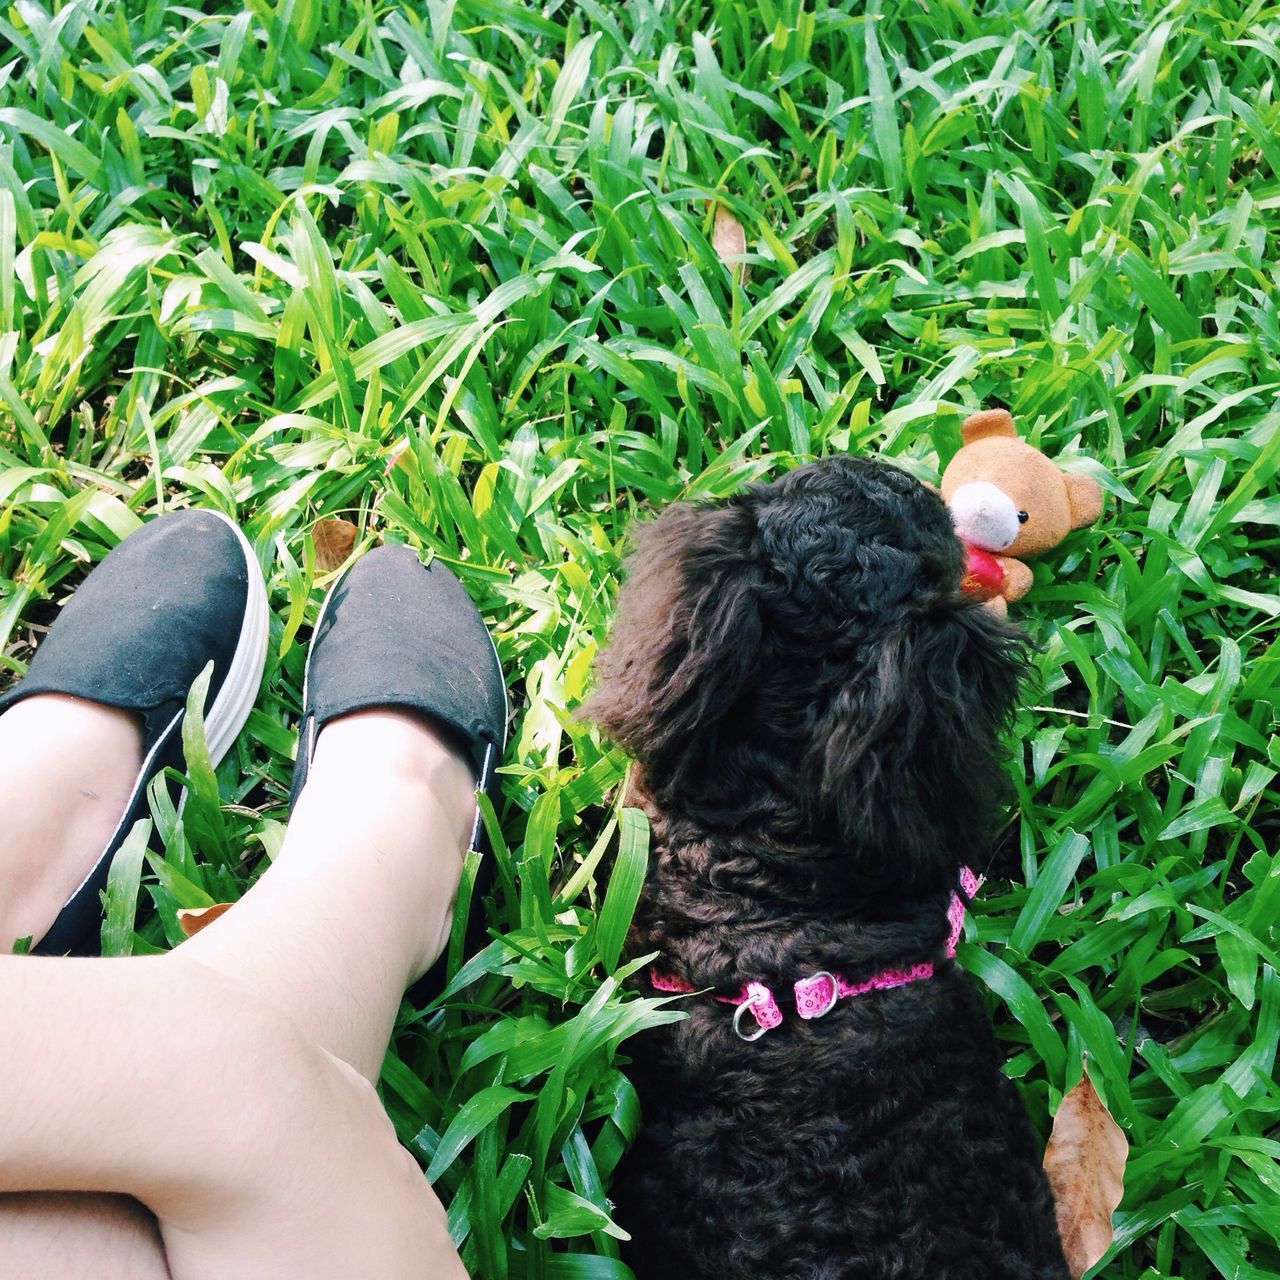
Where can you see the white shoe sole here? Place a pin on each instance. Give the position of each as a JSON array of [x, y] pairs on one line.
[[224, 720]]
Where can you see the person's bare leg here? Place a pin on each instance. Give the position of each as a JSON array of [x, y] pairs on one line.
[[75, 1124], [359, 902], [66, 770], [67, 767], [80, 1235], [356, 908], [259, 1153]]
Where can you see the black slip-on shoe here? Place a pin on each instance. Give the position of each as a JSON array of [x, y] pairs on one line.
[[183, 590], [394, 632]]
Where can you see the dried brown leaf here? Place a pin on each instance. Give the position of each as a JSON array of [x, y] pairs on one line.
[[1084, 1162], [729, 241], [192, 919], [333, 539]]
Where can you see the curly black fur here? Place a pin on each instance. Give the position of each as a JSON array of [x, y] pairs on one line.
[[816, 715]]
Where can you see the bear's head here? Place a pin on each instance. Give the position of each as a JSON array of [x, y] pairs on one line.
[[1006, 497]]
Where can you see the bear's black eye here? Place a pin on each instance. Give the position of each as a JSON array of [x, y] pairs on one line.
[[1023, 517]]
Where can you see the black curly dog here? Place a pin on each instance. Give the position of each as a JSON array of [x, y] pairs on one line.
[[815, 712]]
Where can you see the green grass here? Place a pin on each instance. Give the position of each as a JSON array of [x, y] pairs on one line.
[[445, 270]]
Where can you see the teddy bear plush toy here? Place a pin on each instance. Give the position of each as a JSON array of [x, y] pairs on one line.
[[1009, 501]]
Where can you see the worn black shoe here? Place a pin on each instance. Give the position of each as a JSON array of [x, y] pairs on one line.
[[183, 590], [394, 632]]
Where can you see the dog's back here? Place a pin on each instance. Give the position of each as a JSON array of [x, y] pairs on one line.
[[880, 1141], [816, 713]]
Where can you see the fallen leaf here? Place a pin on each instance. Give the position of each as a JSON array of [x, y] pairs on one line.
[[334, 539], [729, 241], [1084, 1162], [192, 919]]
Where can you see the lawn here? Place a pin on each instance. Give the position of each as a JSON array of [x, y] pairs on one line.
[[446, 271]]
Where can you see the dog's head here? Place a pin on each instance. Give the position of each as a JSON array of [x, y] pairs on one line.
[[798, 662]]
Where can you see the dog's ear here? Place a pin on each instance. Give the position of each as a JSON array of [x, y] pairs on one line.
[[907, 756], [685, 638]]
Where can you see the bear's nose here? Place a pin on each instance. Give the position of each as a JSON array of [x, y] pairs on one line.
[[984, 515]]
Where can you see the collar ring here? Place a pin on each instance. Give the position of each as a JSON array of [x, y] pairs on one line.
[[757, 1031]]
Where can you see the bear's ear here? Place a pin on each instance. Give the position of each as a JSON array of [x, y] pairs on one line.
[[991, 422], [1084, 496]]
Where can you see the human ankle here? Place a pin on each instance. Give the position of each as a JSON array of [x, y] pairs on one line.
[[386, 781], [387, 746], [60, 731], [67, 769]]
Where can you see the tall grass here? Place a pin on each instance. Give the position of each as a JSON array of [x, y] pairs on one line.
[[445, 270]]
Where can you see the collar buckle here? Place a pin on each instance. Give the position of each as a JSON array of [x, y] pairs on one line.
[[817, 994]]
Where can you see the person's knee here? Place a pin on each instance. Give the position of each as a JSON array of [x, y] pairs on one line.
[[250, 1066]]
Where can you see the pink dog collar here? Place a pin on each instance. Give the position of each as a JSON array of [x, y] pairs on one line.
[[816, 995]]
